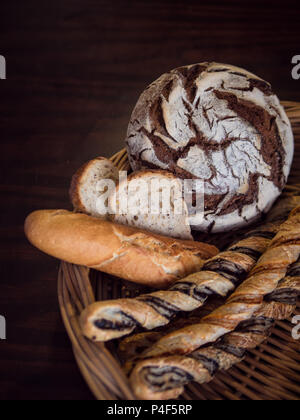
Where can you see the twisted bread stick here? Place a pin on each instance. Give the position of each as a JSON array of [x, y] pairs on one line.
[[133, 346], [220, 275], [130, 348], [165, 377], [245, 301], [105, 321]]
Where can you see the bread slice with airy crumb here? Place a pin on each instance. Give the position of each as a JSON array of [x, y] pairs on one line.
[[158, 209], [84, 193]]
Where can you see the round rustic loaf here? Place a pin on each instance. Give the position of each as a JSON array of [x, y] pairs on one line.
[[220, 124]]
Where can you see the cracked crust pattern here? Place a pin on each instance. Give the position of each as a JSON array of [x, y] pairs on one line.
[[220, 124]]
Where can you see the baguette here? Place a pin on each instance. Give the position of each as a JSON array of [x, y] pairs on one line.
[[122, 251]]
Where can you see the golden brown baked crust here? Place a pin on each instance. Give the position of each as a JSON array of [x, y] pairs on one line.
[[131, 347], [122, 251], [220, 275]]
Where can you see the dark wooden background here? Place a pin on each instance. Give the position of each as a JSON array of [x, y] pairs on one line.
[[75, 69]]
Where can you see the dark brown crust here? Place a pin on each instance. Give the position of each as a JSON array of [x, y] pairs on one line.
[[265, 124], [272, 149], [190, 75]]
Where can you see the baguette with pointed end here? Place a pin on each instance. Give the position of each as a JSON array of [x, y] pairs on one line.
[[125, 252]]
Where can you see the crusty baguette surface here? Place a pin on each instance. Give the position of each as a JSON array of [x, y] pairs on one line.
[[132, 254]]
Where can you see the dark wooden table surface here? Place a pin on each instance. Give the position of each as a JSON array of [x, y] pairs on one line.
[[74, 71]]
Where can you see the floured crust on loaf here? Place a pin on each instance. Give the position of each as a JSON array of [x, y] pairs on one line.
[[221, 124]]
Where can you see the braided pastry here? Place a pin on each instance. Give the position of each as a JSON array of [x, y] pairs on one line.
[[133, 346], [165, 377], [245, 301], [220, 275], [130, 348]]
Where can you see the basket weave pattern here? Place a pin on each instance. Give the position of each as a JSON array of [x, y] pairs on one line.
[[270, 372]]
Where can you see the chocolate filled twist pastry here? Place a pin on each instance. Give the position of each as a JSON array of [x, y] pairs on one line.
[[245, 301], [130, 348], [133, 346], [165, 377], [220, 275]]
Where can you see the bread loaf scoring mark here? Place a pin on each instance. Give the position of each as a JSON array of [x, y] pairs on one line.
[[163, 307], [229, 269], [240, 200], [156, 114], [168, 89], [261, 85], [190, 75], [272, 149]]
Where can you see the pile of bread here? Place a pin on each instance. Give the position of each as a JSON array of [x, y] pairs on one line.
[[224, 126]]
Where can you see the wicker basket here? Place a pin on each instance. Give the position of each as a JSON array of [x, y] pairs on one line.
[[271, 372]]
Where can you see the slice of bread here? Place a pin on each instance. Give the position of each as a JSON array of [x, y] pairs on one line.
[[84, 191], [170, 217]]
